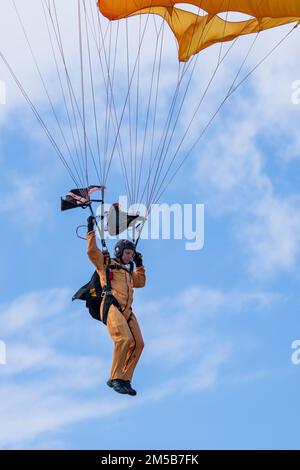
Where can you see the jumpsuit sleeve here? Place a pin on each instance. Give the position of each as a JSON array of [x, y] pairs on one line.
[[95, 255], [139, 277]]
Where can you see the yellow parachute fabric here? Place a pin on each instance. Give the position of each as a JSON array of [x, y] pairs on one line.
[[197, 32]]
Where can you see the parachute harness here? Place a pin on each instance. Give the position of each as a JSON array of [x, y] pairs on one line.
[[81, 198], [107, 295]]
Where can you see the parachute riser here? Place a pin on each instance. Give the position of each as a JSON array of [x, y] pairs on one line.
[[139, 229], [100, 229]]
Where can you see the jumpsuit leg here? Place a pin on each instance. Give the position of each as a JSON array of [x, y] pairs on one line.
[[135, 349], [123, 340]]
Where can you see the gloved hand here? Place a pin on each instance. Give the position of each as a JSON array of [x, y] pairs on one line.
[[138, 259], [91, 223]]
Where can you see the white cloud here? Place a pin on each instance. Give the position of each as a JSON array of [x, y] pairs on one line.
[[270, 97], [26, 201], [23, 312], [273, 241], [17, 51], [243, 168], [235, 180], [55, 377], [184, 326], [15, 47]]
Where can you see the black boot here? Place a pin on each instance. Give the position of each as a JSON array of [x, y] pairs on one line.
[[118, 385], [131, 391]]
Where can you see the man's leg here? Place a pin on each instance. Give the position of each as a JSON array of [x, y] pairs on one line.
[[135, 349], [123, 340]]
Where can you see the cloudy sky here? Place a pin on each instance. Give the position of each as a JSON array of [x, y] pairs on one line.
[[218, 370]]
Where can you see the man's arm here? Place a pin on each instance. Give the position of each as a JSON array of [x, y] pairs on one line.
[[139, 275], [93, 252]]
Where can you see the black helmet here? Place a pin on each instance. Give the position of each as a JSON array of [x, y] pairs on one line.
[[122, 245]]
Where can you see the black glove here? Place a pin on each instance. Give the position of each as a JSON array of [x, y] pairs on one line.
[[91, 223], [138, 259]]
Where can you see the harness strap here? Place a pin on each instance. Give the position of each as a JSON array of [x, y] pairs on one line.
[[109, 300], [106, 256], [130, 318], [118, 267], [108, 297]]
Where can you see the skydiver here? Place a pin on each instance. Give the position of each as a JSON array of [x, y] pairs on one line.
[[121, 322]]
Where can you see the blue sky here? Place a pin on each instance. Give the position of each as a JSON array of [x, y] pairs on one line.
[[218, 324]]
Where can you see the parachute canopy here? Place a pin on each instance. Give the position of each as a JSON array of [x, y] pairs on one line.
[[195, 32]]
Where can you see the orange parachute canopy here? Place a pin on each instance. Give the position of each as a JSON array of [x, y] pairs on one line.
[[197, 32]]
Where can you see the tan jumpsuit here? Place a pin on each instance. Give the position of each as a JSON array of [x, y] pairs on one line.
[[123, 326]]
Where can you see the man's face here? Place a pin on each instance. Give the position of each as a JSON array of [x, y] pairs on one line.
[[127, 256]]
